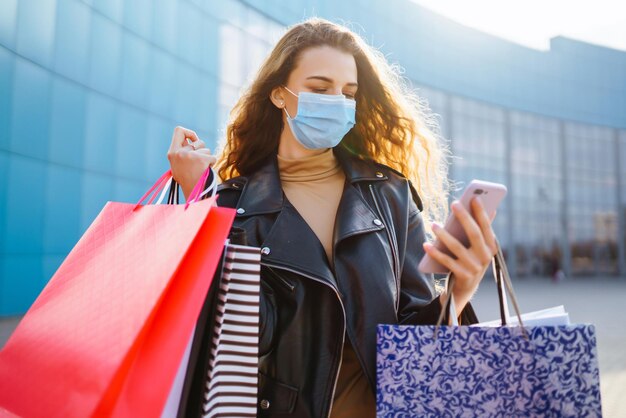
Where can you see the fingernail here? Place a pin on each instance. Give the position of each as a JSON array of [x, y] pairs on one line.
[[436, 226]]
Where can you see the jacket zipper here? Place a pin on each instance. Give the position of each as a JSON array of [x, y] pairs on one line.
[[282, 281], [343, 334], [394, 256]]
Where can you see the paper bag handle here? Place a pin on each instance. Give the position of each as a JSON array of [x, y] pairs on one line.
[[173, 187], [197, 190], [504, 285], [155, 189], [166, 181]]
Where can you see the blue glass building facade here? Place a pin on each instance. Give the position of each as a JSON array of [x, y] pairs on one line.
[[90, 91]]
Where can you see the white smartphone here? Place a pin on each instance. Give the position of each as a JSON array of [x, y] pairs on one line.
[[491, 195]]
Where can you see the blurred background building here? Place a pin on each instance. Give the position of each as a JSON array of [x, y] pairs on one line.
[[91, 90]]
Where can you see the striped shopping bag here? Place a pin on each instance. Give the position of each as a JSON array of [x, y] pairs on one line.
[[222, 372], [232, 377]]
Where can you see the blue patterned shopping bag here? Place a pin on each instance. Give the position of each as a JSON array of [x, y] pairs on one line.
[[487, 371], [484, 371]]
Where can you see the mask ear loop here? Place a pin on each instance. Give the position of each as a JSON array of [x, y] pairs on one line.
[[285, 108], [287, 88]]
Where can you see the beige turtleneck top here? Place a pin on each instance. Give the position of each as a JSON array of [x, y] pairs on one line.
[[314, 186]]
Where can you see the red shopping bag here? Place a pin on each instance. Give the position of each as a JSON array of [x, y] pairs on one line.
[[106, 335]]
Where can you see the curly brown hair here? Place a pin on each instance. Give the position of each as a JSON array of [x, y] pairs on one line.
[[393, 126]]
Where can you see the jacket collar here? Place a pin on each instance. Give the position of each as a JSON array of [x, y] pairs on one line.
[[262, 192], [357, 169]]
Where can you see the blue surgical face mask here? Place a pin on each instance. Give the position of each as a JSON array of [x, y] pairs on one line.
[[322, 119]]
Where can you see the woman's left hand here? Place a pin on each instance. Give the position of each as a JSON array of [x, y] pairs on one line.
[[469, 263]]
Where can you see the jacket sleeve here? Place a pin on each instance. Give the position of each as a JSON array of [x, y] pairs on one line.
[[419, 301]]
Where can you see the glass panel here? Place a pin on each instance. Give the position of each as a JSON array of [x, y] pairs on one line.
[[189, 39], [31, 110], [62, 197], [186, 97], [106, 48], [4, 184], [536, 193], [131, 144], [257, 51], [135, 56], [206, 111], [165, 29], [7, 66], [25, 179], [96, 190], [20, 282], [35, 30], [160, 91], [67, 124], [592, 199], [100, 133], [241, 52], [114, 9], [72, 39], [138, 17], [478, 144], [8, 18], [159, 134], [231, 55]]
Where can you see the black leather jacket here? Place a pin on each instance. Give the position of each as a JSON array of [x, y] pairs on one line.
[[307, 306]]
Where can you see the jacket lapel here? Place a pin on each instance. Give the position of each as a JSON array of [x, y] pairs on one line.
[[354, 215], [293, 245], [291, 242], [262, 192]]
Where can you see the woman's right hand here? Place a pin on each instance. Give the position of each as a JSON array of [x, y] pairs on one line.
[[188, 162]]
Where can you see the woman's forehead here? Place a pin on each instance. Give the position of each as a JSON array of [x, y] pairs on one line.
[[325, 62]]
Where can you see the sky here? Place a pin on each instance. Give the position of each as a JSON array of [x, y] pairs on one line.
[[533, 22]]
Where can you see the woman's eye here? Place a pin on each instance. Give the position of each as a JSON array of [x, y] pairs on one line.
[[325, 90]]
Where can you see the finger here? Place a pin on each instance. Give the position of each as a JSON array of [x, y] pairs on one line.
[[187, 148], [204, 151], [480, 215], [445, 260], [196, 145], [204, 155], [472, 258], [450, 263], [179, 137], [190, 154], [454, 245], [191, 146], [472, 230], [210, 159]]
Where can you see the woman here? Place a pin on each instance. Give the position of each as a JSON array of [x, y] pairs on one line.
[[320, 158]]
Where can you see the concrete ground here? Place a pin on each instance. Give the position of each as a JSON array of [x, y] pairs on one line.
[[590, 300]]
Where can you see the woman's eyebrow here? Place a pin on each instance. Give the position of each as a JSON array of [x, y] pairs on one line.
[[329, 80]]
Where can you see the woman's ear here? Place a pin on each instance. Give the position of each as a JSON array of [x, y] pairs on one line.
[[277, 96]]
